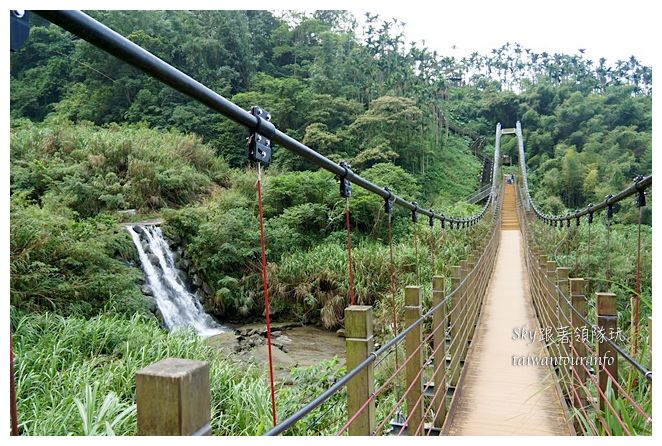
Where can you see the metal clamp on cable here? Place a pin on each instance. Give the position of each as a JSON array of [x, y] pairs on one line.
[[19, 29], [431, 218], [388, 202], [345, 184], [590, 213], [610, 208], [641, 193], [414, 217], [259, 145], [443, 221], [577, 216]]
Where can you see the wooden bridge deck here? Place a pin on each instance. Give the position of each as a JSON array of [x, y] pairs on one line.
[[496, 397]]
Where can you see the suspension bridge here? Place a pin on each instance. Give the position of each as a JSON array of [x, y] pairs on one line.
[[499, 350]]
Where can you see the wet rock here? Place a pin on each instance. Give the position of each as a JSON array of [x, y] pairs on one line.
[[139, 230], [128, 213], [196, 280], [226, 341], [153, 259], [147, 290], [340, 332], [151, 304], [206, 289], [275, 334], [159, 316]]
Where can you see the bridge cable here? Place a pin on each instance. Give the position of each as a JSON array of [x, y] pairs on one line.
[[258, 186], [414, 219], [432, 245], [12, 389], [349, 254], [641, 202], [609, 216], [388, 208], [588, 247], [346, 192]]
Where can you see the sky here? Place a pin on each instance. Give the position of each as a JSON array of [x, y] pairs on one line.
[[610, 29], [614, 29]]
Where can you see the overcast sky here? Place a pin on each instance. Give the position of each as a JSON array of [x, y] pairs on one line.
[[614, 29], [610, 29]]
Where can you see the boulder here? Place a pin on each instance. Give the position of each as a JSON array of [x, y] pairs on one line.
[[147, 290]]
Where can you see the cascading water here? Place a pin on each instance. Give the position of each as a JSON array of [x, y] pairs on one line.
[[179, 307]]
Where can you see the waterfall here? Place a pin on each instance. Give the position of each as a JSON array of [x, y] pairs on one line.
[[180, 308]]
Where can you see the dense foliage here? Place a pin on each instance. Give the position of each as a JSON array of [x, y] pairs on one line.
[[93, 138]]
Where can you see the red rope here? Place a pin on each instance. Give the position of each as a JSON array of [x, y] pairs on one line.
[[432, 249], [638, 286], [266, 295], [418, 272], [393, 292], [349, 254], [12, 390]]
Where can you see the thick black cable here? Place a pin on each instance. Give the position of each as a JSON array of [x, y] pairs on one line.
[[101, 36]]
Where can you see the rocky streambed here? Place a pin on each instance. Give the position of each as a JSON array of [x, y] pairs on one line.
[[293, 345]]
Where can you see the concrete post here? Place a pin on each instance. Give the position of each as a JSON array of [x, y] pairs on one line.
[[455, 320], [579, 374], [173, 398], [439, 339], [359, 344], [607, 321], [413, 340]]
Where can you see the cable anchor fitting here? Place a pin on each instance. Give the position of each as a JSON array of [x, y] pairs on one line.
[[590, 213], [388, 203], [641, 195], [345, 184], [259, 145], [610, 208]]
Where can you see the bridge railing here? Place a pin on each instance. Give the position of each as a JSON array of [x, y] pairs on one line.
[[460, 306], [605, 387], [413, 394]]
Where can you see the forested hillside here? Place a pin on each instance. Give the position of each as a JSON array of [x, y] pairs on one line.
[[92, 137]]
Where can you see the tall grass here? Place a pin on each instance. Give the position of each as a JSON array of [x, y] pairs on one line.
[[76, 376]]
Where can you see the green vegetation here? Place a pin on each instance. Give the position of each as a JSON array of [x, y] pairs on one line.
[[92, 137]]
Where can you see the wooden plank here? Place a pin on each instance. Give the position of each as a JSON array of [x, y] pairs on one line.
[[497, 397]]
